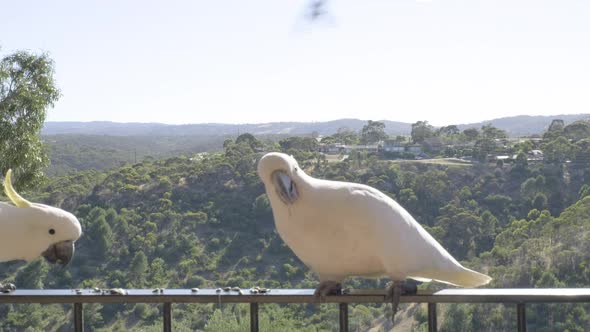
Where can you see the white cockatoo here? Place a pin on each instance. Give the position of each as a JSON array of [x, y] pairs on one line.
[[341, 229], [29, 230]]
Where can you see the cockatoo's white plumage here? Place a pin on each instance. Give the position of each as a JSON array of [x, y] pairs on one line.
[[29, 230], [344, 229]]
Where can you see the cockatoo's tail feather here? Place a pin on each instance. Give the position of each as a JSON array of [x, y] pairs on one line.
[[462, 278], [15, 198]]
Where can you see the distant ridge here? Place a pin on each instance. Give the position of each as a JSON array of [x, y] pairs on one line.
[[515, 126], [527, 124], [211, 129]]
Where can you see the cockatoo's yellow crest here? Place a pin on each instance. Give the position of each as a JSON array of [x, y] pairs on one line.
[[15, 198]]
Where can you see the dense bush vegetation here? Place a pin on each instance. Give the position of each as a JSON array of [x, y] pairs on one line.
[[205, 222]]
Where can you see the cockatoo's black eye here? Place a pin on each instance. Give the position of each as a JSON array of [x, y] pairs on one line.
[[51, 231]]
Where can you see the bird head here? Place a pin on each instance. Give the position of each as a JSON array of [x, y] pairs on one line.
[[50, 232], [280, 173]]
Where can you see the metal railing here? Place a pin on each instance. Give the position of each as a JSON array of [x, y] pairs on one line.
[[518, 296]]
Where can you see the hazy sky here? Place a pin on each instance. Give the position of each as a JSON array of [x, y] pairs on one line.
[[445, 61]]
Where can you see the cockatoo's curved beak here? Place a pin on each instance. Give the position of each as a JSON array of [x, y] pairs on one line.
[[285, 187], [61, 252]]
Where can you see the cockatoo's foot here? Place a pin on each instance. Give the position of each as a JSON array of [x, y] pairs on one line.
[[7, 288], [395, 290], [328, 288]]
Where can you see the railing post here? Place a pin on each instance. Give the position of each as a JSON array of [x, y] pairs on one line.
[[343, 317], [78, 317], [167, 317], [432, 325], [254, 317], [521, 317]]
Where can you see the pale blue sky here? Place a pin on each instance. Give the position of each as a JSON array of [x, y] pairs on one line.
[[446, 61]]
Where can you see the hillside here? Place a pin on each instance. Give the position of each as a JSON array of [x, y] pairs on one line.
[[77, 152], [523, 125], [205, 222]]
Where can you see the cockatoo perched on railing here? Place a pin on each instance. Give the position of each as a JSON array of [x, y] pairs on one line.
[[341, 229], [29, 230]]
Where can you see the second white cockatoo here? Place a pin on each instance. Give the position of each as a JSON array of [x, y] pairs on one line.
[[29, 230], [341, 229]]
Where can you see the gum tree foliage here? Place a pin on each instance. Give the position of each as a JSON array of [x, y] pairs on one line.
[[556, 125], [305, 144], [27, 91], [343, 135], [577, 130], [471, 134], [373, 132], [421, 130], [488, 142], [448, 130], [559, 150], [491, 132]]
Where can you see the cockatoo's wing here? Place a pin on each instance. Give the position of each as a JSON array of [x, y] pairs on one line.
[[406, 248]]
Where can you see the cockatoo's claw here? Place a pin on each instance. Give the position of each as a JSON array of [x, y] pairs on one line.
[[394, 292], [7, 288], [326, 288]]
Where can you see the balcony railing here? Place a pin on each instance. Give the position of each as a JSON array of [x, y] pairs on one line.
[[518, 296]]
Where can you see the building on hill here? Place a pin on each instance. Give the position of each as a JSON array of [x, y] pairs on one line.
[[504, 158], [370, 148], [391, 145], [531, 156], [339, 148], [415, 148], [332, 148], [535, 155], [434, 144]]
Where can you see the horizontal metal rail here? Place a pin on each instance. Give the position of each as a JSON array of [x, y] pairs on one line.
[[518, 296], [464, 295]]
